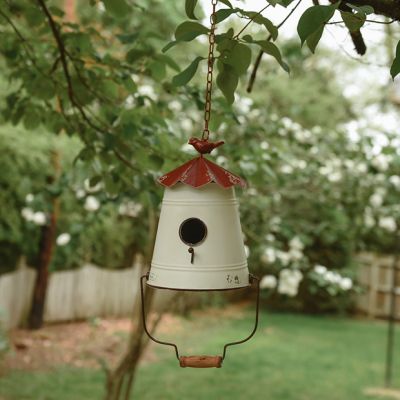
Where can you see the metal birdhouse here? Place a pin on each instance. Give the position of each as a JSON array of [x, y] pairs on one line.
[[199, 242]]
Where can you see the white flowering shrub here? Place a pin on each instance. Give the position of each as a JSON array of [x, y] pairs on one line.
[[317, 195], [297, 283], [92, 226]]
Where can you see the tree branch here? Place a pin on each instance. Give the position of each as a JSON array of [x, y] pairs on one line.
[[71, 95], [26, 45], [372, 21], [260, 54], [251, 20], [388, 8], [61, 49], [356, 36]]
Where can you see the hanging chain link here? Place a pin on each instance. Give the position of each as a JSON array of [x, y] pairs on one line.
[[210, 67]]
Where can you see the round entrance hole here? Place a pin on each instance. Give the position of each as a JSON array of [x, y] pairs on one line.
[[193, 231]]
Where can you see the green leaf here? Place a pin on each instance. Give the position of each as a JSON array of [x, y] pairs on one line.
[[79, 42], [128, 38], [353, 21], [190, 5], [273, 51], [86, 154], [169, 45], [248, 38], [284, 3], [261, 20], [111, 185], [226, 2], [227, 81], [54, 122], [239, 57], [129, 84], [57, 11], [109, 88], [272, 29], [187, 74], [82, 93], [134, 55], [314, 38], [229, 33], [34, 16], [189, 30], [395, 68], [313, 18], [367, 9], [156, 162], [224, 13], [41, 87], [158, 70], [225, 45], [94, 180], [118, 8], [31, 119], [362, 9], [169, 61]]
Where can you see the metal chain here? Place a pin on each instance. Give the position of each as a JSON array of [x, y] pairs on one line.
[[210, 65]]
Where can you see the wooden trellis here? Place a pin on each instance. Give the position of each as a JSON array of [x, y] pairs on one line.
[[375, 276]]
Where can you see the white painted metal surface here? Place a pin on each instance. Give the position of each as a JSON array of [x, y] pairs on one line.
[[219, 260]]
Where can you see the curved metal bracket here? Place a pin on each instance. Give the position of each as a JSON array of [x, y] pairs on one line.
[[253, 278], [201, 361], [144, 319]]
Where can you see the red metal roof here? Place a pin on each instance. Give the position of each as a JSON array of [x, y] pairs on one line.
[[199, 172]]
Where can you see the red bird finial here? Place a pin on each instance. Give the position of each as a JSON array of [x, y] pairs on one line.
[[204, 146]]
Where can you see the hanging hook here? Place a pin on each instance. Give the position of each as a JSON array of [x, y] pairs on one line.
[[191, 251]]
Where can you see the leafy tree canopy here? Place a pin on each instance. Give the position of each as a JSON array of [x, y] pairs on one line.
[[80, 74]]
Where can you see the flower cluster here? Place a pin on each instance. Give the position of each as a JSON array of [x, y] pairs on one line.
[[292, 272], [63, 239], [37, 217], [28, 214], [324, 278], [91, 204], [130, 209], [289, 281], [295, 253], [289, 277]]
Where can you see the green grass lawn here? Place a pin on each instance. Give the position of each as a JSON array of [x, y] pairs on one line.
[[292, 357]]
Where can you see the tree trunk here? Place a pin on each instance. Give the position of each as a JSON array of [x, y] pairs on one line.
[[45, 255], [46, 247], [120, 381]]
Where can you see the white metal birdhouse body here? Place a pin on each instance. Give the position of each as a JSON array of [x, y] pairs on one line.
[[199, 243]]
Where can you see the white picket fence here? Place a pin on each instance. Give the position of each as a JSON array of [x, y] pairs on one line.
[[76, 294], [94, 292]]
